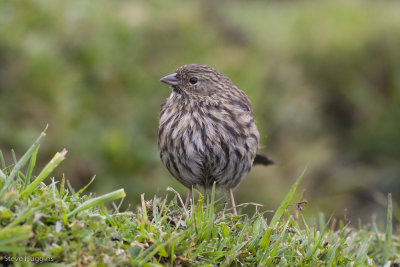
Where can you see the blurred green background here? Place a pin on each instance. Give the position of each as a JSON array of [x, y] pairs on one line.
[[323, 78]]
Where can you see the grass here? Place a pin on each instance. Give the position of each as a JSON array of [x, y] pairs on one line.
[[52, 223]]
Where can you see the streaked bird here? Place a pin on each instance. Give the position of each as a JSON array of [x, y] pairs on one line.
[[207, 132]]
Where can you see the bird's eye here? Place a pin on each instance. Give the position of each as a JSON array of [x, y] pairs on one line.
[[193, 80]]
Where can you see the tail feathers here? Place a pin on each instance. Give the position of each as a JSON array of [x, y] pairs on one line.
[[262, 160]]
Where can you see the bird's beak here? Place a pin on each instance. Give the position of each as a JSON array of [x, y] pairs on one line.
[[170, 79]]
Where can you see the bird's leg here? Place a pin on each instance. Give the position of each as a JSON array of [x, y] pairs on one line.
[[232, 201], [189, 195]]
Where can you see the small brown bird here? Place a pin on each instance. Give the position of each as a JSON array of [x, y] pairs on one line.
[[207, 132]]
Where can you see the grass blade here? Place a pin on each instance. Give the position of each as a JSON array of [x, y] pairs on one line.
[[86, 186], [362, 253], [12, 249], [3, 162], [389, 227], [55, 161], [285, 202], [151, 252], [32, 164], [331, 256], [98, 200], [14, 234], [2, 175], [21, 163], [277, 243], [31, 209]]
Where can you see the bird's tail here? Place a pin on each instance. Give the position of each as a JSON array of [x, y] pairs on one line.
[[262, 160]]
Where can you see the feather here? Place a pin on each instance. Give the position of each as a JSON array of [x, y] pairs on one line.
[[262, 160]]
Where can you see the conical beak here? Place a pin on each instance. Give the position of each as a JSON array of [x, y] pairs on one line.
[[170, 79]]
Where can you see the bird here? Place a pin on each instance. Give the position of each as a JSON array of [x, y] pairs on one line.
[[207, 133]]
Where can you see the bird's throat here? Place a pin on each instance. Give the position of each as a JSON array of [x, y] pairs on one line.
[[176, 89]]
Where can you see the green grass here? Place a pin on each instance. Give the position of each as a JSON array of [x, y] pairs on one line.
[[52, 223]]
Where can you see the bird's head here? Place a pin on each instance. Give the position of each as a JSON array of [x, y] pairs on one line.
[[197, 80]]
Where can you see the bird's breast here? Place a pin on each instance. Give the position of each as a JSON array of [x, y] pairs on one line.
[[199, 144]]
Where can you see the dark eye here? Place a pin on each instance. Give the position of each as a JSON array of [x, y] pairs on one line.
[[193, 80]]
